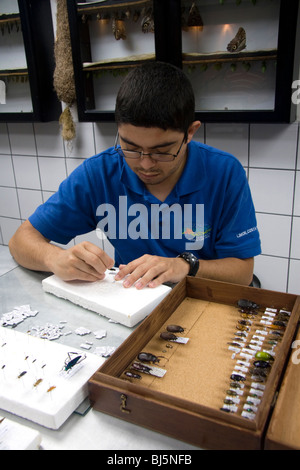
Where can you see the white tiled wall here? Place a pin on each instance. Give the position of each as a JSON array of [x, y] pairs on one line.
[[34, 160]]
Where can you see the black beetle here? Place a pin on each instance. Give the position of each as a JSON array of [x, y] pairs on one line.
[[175, 328], [168, 336], [141, 367], [132, 375], [262, 364], [247, 304], [147, 357], [237, 378]]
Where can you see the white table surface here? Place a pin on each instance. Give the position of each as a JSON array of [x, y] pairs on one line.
[[94, 430]]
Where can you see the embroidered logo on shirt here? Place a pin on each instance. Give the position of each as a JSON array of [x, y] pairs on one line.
[[198, 232], [246, 232]]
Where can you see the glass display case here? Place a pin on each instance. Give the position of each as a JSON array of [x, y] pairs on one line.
[[240, 55], [26, 66]]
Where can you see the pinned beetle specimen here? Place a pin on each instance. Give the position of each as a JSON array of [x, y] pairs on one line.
[[37, 383], [168, 336], [237, 378], [21, 374], [262, 364], [264, 356], [247, 304], [175, 328], [132, 375], [73, 359], [141, 367], [148, 357]]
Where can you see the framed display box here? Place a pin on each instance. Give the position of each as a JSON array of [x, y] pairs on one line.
[[207, 391], [240, 55], [27, 62]]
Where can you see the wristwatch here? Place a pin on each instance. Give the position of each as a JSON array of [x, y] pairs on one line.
[[192, 260]]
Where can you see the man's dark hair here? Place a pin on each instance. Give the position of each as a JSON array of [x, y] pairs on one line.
[[156, 94]]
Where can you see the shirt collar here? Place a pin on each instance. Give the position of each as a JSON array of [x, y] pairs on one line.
[[194, 173]]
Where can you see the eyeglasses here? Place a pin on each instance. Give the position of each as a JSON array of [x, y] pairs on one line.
[[158, 157]]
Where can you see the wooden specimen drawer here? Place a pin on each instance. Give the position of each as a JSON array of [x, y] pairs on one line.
[[206, 391], [284, 428]]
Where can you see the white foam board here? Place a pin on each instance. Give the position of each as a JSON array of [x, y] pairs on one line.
[[16, 436], [109, 298], [44, 363]]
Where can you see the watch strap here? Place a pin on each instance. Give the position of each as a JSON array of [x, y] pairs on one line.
[[192, 260]]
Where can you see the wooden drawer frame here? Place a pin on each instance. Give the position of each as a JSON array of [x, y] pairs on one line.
[[197, 424]]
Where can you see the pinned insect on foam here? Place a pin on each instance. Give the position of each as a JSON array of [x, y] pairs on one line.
[[72, 360], [37, 383], [22, 374]]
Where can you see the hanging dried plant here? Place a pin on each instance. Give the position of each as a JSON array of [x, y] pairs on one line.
[[64, 82], [68, 127]]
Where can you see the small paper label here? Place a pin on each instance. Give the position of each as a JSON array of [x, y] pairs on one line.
[[156, 371], [180, 339]]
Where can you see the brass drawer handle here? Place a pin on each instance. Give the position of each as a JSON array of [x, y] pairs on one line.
[[123, 404]]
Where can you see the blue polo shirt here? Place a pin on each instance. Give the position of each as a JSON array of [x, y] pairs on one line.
[[209, 212]]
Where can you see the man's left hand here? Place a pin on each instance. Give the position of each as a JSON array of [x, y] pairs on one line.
[[151, 271]]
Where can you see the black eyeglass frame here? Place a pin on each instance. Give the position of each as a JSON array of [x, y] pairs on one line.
[[141, 153]]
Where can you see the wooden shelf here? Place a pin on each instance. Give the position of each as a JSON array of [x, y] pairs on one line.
[[29, 41], [124, 62], [14, 73], [195, 58], [187, 59], [94, 7], [12, 18]]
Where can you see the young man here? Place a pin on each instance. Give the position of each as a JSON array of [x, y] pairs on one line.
[[171, 207]]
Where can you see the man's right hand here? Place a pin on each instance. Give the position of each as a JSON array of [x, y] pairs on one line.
[[84, 262]]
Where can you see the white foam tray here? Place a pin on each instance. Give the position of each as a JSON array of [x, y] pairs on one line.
[[109, 298], [41, 359], [15, 436]]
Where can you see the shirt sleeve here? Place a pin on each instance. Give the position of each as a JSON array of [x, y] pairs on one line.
[[238, 234], [69, 212]]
